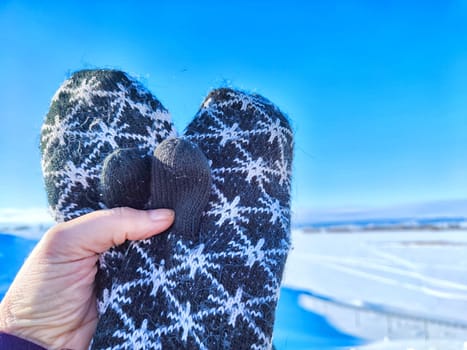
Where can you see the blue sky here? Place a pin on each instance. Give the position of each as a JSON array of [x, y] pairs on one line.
[[377, 90]]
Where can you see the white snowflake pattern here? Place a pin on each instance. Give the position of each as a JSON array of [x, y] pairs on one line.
[[200, 263], [64, 127]]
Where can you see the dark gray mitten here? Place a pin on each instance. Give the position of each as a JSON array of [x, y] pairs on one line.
[[218, 288], [93, 114]]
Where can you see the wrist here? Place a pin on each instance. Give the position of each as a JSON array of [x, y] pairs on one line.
[[14, 332], [5, 317]]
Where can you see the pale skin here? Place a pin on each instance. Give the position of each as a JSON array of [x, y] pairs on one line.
[[52, 301]]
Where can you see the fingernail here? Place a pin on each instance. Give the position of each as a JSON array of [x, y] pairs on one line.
[[161, 214]]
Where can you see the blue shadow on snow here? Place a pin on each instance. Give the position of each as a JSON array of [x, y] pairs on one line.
[[299, 329], [13, 252]]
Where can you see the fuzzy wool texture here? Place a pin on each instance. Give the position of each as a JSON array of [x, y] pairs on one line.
[[181, 180], [219, 290], [96, 113], [126, 179], [176, 177]]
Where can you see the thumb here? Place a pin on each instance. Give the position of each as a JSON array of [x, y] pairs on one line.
[[100, 230]]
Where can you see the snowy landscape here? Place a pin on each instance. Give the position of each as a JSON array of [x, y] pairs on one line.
[[361, 284], [404, 289]]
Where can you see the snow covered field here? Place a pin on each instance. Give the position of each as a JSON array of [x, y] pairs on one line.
[[408, 287], [395, 289]]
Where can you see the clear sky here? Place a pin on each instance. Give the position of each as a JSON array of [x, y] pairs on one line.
[[377, 90]]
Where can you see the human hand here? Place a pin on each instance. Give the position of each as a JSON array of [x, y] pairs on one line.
[[52, 301]]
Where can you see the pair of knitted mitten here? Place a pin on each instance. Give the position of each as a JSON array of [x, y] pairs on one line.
[[212, 280]]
